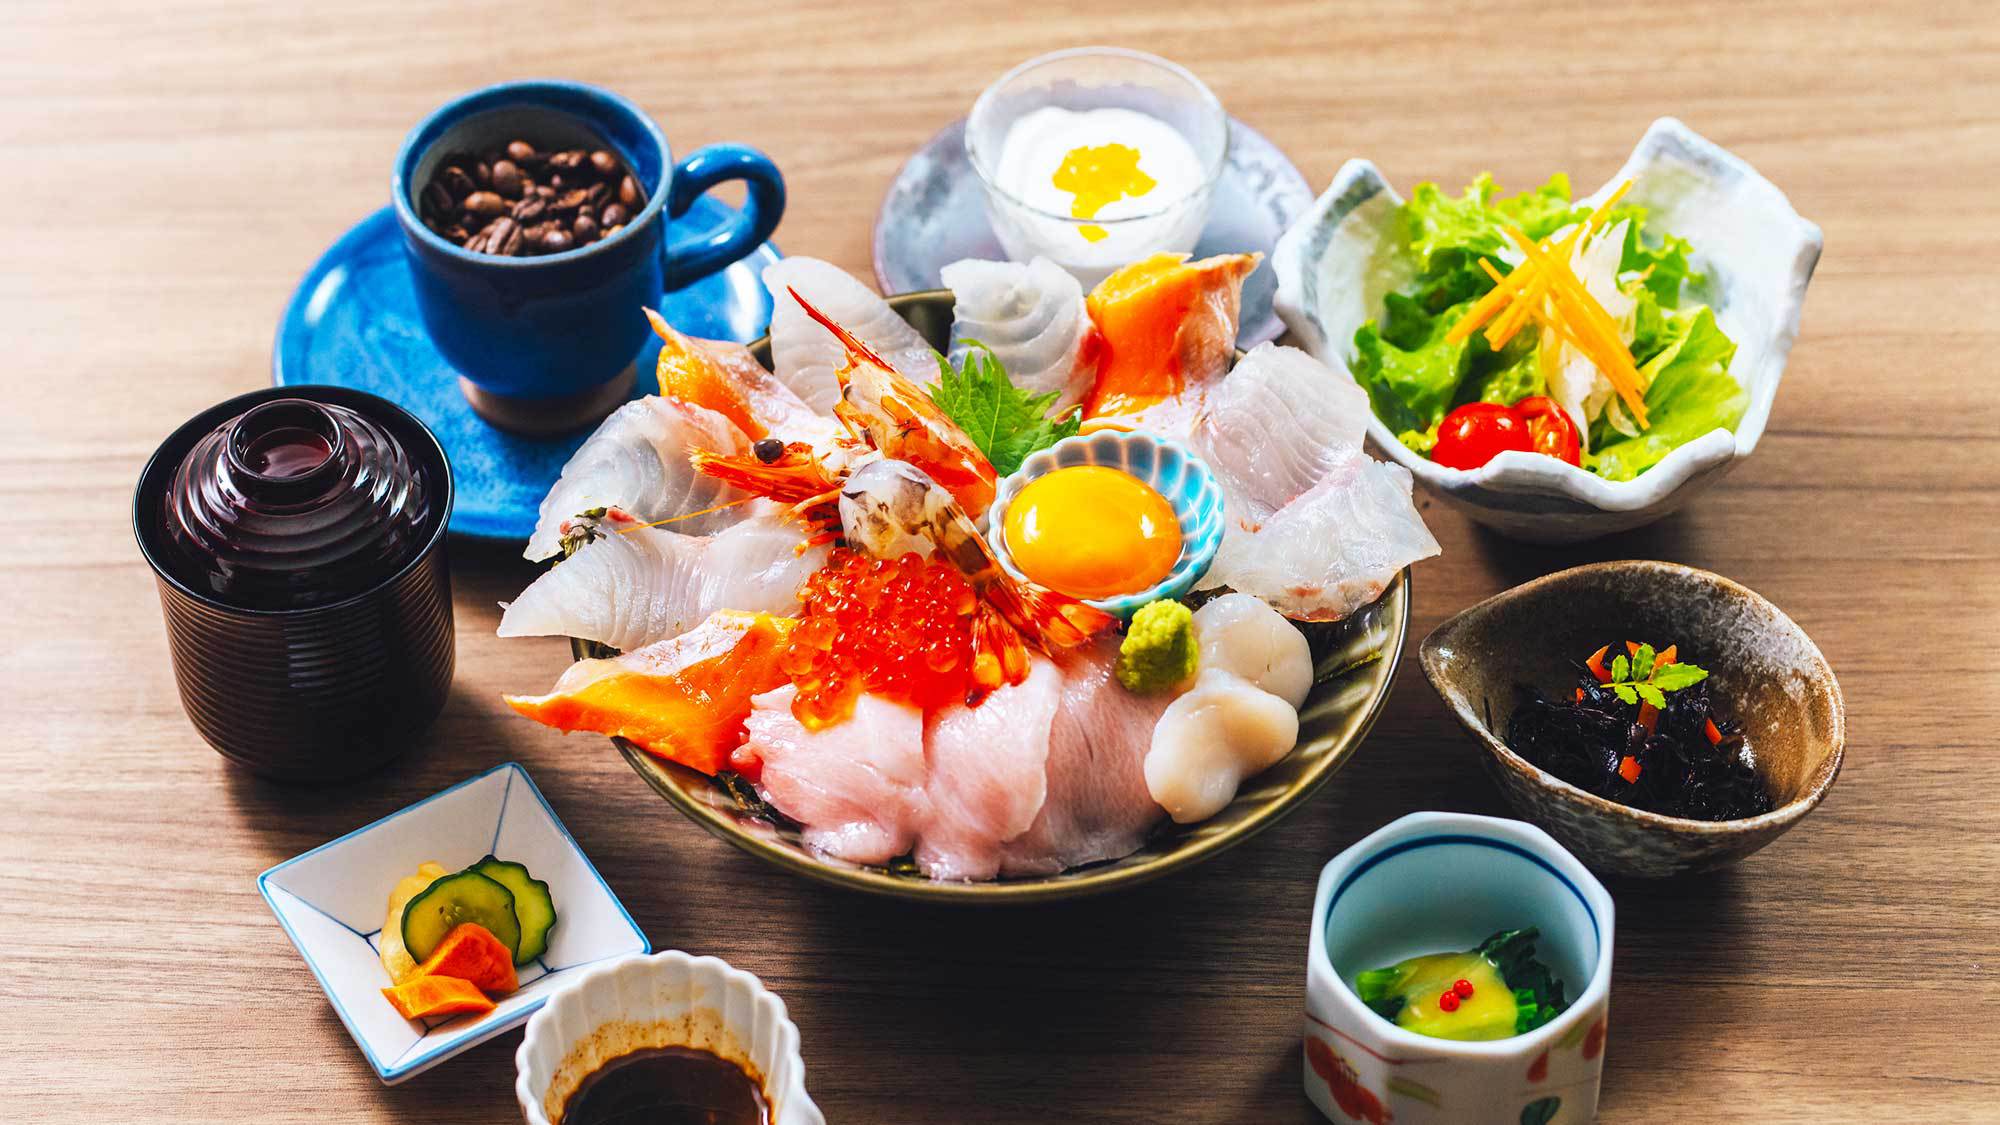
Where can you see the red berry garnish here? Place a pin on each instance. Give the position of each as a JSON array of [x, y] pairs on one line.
[[1448, 1001], [1463, 988]]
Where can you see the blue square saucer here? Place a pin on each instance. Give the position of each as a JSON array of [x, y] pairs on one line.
[[331, 900]]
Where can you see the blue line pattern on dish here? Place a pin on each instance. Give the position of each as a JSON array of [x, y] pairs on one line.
[[1168, 466], [1394, 850]]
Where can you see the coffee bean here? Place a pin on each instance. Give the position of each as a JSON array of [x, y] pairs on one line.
[[629, 193], [457, 182], [571, 200], [507, 178], [557, 241], [530, 208], [614, 215], [585, 228], [544, 191], [501, 233], [520, 152], [438, 200], [568, 160], [482, 174], [605, 163], [485, 203], [598, 192]]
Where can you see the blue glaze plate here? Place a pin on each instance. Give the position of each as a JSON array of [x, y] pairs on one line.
[[935, 214], [354, 323]]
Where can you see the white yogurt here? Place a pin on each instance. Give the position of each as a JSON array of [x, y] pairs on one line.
[[1033, 152]]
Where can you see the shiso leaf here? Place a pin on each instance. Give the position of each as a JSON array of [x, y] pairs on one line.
[[1005, 422]]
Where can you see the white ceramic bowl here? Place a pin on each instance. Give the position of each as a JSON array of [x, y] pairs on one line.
[[1433, 882], [670, 999], [1337, 262]]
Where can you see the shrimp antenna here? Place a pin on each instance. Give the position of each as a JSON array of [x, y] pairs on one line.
[[848, 340]]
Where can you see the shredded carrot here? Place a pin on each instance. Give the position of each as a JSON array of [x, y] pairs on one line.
[[1632, 649], [1579, 695], [1666, 656], [1713, 732], [1606, 347], [1628, 768], [1649, 717]]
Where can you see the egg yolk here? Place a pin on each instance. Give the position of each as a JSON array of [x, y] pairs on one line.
[[1099, 176], [1092, 532]]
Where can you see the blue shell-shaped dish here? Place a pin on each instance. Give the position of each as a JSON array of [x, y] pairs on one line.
[[1168, 466]]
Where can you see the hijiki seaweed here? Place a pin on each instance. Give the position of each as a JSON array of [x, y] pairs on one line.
[[1644, 733]]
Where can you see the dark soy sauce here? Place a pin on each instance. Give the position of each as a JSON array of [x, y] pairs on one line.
[[667, 1086]]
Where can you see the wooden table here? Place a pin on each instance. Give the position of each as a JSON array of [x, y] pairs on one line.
[[180, 165]]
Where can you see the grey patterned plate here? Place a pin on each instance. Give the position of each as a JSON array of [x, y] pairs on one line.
[[935, 214]]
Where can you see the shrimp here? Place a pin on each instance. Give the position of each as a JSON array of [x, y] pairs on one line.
[[894, 415], [792, 473], [890, 507]]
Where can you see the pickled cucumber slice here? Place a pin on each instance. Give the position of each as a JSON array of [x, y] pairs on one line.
[[453, 901], [534, 907], [395, 958]]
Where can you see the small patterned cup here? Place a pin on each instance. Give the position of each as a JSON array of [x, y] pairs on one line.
[[1433, 882]]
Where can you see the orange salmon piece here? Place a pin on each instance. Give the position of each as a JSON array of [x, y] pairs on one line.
[[682, 699], [1166, 323], [687, 371]]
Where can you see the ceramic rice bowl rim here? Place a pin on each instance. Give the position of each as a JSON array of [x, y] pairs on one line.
[[1535, 475], [1196, 500], [674, 782], [1532, 841], [1781, 817], [578, 992]]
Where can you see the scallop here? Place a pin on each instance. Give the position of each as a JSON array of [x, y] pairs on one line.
[[1241, 634], [1222, 731]]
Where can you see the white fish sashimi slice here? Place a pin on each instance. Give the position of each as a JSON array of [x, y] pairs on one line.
[[1332, 550], [1033, 317], [805, 355], [637, 460], [1098, 806], [1274, 427], [857, 787], [633, 588], [988, 774]]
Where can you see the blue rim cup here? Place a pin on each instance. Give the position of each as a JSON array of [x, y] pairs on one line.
[[547, 343], [1433, 882]]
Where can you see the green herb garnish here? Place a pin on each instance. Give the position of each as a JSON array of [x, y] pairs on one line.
[[1005, 422], [1640, 678], [1538, 995]]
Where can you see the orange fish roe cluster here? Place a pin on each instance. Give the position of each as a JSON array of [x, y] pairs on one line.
[[899, 629]]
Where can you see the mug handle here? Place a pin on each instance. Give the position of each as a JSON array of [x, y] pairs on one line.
[[691, 258]]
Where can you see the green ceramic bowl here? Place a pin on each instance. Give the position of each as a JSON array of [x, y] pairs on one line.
[[1356, 661]]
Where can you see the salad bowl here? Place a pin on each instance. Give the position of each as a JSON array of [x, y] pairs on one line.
[[1338, 261], [1355, 663]]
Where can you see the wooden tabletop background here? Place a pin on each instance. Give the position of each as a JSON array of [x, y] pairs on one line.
[[175, 167]]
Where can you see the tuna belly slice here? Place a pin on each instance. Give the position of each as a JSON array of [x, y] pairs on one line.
[[988, 774], [1098, 806], [857, 787]]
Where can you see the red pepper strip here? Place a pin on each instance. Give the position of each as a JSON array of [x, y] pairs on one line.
[[1649, 717], [1712, 731], [1628, 768], [1579, 695], [1596, 665]]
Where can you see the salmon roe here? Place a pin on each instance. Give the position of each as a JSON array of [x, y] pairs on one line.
[[899, 629]]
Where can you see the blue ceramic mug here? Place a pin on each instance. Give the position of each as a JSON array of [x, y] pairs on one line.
[[563, 325]]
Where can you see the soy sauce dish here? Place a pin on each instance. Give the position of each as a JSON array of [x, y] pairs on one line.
[[1655, 718]]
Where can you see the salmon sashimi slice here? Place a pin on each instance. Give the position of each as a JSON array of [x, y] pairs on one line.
[[683, 699], [724, 377], [1167, 324]]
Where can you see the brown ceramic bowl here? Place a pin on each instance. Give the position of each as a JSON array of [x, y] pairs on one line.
[[1765, 672]]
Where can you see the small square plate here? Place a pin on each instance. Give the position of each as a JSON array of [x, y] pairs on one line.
[[331, 901]]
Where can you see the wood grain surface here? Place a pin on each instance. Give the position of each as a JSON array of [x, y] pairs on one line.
[[172, 169]]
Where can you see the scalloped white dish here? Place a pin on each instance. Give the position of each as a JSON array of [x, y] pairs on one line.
[[1338, 261]]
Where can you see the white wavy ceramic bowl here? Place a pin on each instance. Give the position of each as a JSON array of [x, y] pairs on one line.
[[670, 999], [1338, 261]]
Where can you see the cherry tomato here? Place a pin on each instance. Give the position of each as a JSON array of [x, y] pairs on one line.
[[1478, 432], [1551, 429]]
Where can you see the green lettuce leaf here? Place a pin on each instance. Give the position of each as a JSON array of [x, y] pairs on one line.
[[1691, 392], [1474, 223], [1412, 380]]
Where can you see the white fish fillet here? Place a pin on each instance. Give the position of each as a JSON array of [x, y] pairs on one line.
[[1097, 806], [1332, 550], [637, 460], [1033, 317], [631, 589], [1274, 426], [805, 354], [988, 774], [856, 786]]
